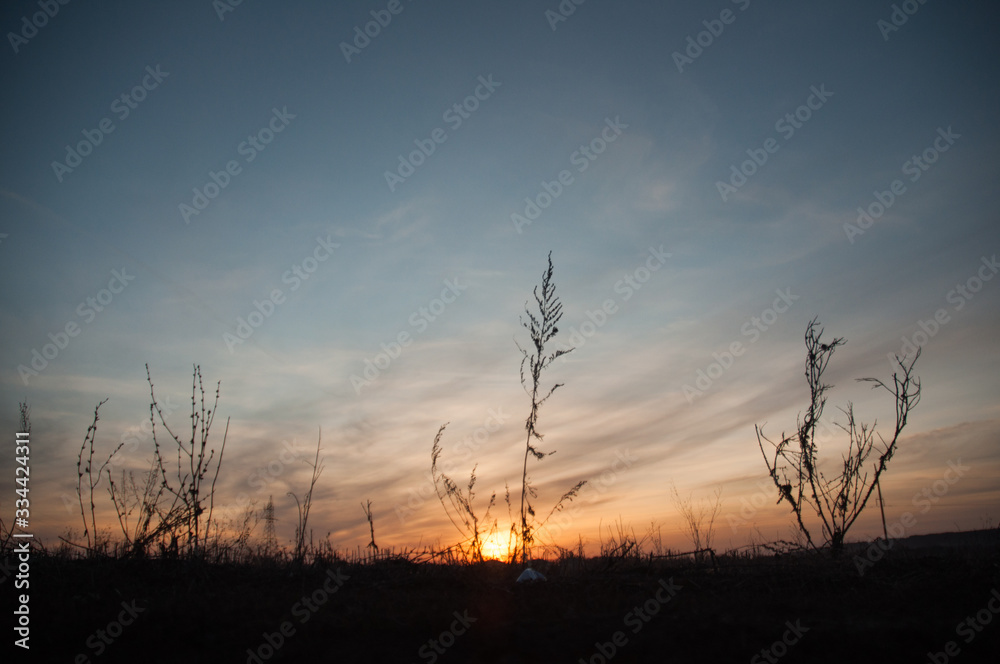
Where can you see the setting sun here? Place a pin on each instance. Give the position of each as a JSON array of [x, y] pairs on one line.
[[497, 547]]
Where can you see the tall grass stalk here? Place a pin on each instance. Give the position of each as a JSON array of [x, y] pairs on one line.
[[542, 328], [306, 504]]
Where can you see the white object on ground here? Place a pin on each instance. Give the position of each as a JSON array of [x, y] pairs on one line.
[[530, 575]]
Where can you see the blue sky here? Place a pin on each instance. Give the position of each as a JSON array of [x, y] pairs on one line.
[[488, 116]]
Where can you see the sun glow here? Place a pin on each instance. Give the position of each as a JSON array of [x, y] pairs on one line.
[[497, 547]]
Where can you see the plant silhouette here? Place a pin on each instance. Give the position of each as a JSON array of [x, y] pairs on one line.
[[794, 464], [541, 329]]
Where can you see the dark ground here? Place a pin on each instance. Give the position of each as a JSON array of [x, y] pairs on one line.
[[906, 605]]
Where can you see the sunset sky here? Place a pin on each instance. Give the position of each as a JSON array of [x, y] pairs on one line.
[[344, 229]]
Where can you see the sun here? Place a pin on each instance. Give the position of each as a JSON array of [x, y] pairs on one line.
[[495, 547]]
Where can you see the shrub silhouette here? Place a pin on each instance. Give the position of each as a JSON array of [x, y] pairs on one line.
[[793, 467], [193, 464]]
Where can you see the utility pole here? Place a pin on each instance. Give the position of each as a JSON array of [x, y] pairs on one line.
[[270, 540]]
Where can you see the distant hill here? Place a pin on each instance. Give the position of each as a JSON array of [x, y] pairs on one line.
[[989, 537], [968, 538]]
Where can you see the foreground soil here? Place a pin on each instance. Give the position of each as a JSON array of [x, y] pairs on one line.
[[789, 609]]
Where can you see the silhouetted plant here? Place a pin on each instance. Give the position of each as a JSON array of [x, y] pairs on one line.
[[371, 525], [541, 328], [240, 529], [794, 469], [700, 519], [306, 504], [88, 477], [621, 546], [144, 496], [194, 461], [449, 493]]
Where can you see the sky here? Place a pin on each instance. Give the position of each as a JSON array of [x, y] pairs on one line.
[[340, 210]]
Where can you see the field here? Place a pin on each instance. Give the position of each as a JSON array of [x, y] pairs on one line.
[[802, 607]]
